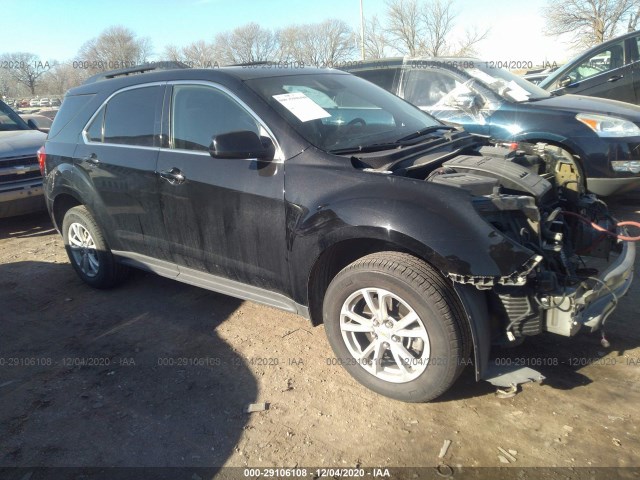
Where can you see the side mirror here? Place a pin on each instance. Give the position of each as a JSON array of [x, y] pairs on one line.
[[243, 144], [33, 125], [565, 82]]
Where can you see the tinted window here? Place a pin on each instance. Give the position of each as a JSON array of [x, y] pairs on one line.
[[71, 106], [383, 77], [130, 117], [608, 59], [425, 88], [200, 112]]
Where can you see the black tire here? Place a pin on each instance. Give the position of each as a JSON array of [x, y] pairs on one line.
[[102, 270], [431, 297]]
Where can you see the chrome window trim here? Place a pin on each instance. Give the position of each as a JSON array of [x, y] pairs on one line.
[[86, 140], [278, 158]]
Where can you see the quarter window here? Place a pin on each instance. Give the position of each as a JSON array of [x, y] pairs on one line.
[[130, 117], [383, 77], [199, 113], [95, 131]]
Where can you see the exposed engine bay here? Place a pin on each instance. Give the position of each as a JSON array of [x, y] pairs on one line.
[[535, 196]]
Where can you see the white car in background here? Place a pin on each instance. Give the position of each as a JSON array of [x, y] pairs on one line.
[[34, 102], [44, 102]]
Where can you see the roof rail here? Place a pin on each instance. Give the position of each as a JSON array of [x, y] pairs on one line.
[[145, 67], [249, 64]]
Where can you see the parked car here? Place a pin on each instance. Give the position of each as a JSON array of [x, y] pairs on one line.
[[20, 177], [609, 70], [602, 134], [23, 103], [38, 122], [44, 102], [55, 102], [34, 102], [316, 192], [538, 75]]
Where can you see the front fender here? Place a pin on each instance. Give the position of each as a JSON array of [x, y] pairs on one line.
[[434, 222]]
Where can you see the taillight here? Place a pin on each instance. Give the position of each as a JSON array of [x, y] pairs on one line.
[[42, 157]]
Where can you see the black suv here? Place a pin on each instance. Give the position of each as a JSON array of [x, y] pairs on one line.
[[319, 193]]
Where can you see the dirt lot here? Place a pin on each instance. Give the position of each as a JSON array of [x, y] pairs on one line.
[[156, 373]]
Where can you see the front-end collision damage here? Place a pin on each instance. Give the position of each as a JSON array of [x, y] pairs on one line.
[[517, 278], [577, 268]]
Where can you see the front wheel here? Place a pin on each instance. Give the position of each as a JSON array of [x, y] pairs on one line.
[[87, 250], [396, 326]]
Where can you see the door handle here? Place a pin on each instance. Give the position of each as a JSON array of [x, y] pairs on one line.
[[92, 158], [174, 176], [614, 78]]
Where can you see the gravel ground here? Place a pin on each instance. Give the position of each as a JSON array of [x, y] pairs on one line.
[[159, 374]]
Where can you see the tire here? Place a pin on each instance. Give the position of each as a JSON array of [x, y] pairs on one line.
[[88, 252], [434, 332]]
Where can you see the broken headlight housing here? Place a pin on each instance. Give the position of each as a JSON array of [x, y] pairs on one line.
[[625, 166]]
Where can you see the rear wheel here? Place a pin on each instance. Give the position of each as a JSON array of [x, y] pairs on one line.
[[396, 326], [87, 250]]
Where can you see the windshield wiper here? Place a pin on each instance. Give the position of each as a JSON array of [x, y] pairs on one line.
[[424, 131], [374, 147]]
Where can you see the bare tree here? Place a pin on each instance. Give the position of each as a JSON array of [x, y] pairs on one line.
[[438, 17], [376, 39], [319, 44], [425, 27], [199, 54], [404, 25], [245, 44], [61, 77], [633, 20], [116, 47], [333, 42], [467, 45], [290, 43], [26, 69], [590, 22]]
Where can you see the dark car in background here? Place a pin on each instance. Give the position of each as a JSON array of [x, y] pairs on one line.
[[20, 176], [319, 193], [602, 134], [608, 70]]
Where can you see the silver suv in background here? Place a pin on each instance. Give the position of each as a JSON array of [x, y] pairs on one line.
[[20, 176]]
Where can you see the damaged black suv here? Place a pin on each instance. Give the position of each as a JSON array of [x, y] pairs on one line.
[[319, 193]]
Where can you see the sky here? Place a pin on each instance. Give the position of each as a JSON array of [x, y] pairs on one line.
[[62, 26]]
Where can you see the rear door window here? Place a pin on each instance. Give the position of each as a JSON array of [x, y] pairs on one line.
[[132, 117]]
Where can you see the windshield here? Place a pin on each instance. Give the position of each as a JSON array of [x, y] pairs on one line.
[[9, 120], [506, 84], [340, 112]]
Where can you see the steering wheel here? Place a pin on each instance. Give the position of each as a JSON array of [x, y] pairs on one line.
[[356, 121], [344, 129]]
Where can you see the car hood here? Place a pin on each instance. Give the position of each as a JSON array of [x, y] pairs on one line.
[[580, 103], [17, 143]]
